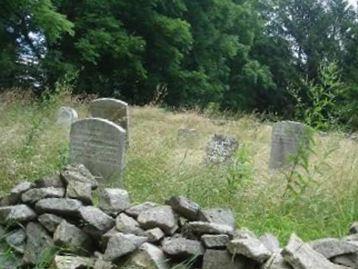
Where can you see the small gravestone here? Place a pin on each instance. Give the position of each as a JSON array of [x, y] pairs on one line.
[[99, 144], [221, 149], [187, 136], [288, 137], [113, 110], [66, 116]]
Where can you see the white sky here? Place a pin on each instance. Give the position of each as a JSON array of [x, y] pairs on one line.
[[353, 2]]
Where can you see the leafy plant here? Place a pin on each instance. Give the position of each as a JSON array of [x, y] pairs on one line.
[[240, 172], [322, 109], [298, 176]]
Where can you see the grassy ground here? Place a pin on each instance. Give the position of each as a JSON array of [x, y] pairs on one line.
[[160, 165]]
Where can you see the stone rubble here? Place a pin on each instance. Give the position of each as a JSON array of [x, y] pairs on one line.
[[59, 216]]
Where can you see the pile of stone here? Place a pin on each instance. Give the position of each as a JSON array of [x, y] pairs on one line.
[[87, 226]]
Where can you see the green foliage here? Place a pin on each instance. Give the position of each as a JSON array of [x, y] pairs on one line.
[[242, 55], [323, 108], [299, 177], [240, 172], [26, 28]]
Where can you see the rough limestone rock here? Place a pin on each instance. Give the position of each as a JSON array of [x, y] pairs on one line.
[[184, 207], [16, 240], [81, 191], [53, 180], [15, 214], [78, 172], [135, 210], [101, 264], [148, 256], [354, 228], [73, 239], [331, 247], [270, 242], [301, 256], [114, 201], [220, 149], [215, 241], [276, 262], [349, 260], [120, 245], [105, 237], [126, 224], [33, 195], [19, 189], [201, 227], [154, 235], [221, 259], [59, 206], [161, 216], [182, 248], [351, 237], [38, 244], [9, 200], [218, 215], [72, 262], [50, 221], [249, 247], [96, 221]]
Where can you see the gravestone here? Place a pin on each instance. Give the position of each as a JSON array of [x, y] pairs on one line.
[[99, 144], [287, 139], [221, 149], [187, 136], [113, 110], [66, 116]]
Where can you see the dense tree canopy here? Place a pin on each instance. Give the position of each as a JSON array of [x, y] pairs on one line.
[[257, 55]]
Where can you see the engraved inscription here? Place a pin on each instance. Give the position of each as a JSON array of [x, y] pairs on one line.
[[287, 138], [100, 145]]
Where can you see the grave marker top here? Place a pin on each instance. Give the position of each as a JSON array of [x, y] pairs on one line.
[[99, 144], [110, 109], [66, 115]]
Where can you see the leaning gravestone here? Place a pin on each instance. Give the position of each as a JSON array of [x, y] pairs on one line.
[[111, 109], [221, 149], [99, 144], [66, 116], [287, 139]]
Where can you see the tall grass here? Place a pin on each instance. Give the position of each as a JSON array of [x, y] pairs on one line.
[[160, 165]]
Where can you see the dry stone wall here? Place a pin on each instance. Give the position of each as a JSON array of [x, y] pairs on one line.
[[58, 215]]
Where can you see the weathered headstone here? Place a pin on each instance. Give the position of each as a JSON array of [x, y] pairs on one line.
[[99, 144], [66, 116], [288, 137], [187, 136], [113, 110], [221, 149]]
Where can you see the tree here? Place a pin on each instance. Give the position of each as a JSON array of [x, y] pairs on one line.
[[25, 27]]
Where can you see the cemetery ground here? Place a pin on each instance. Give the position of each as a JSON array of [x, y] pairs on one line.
[[160, 164]]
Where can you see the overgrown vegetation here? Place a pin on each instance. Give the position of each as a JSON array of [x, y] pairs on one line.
[[238, 55], [160, 165]]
